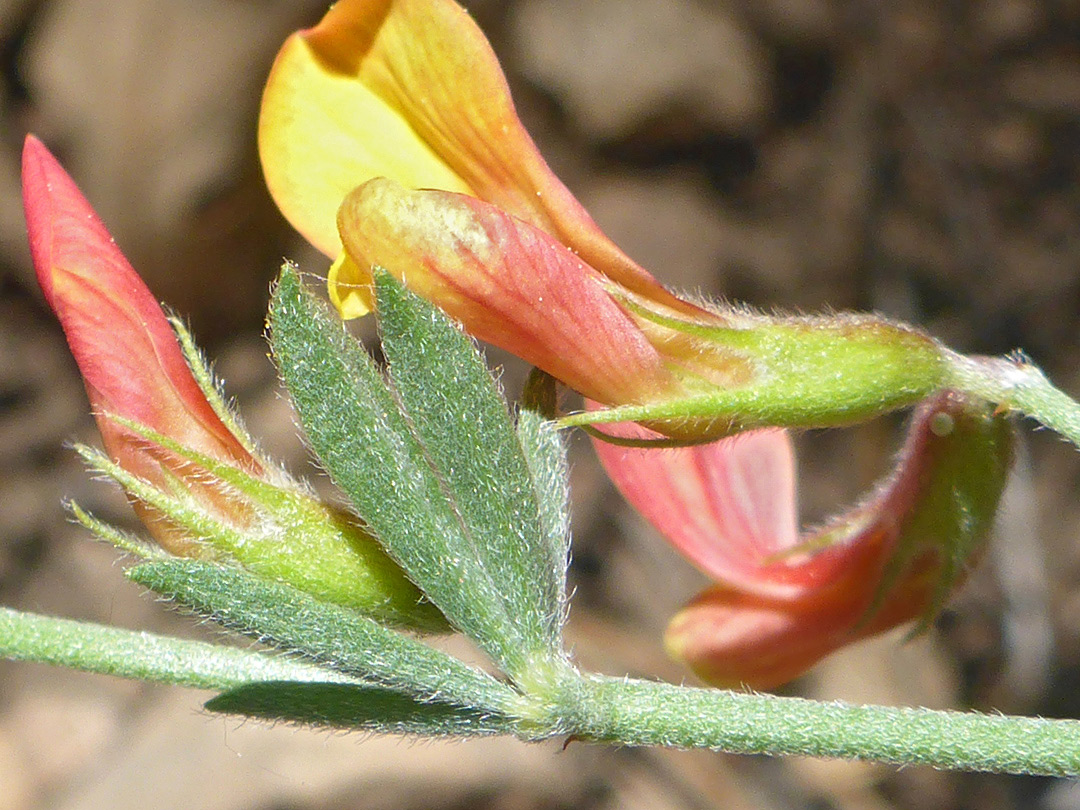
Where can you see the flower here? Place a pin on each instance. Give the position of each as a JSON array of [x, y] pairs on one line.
[[411, 90], [388, 137], [192, 473], [782, 601]]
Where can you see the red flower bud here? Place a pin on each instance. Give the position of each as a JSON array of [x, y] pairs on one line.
[[125, 347], [183, 459]]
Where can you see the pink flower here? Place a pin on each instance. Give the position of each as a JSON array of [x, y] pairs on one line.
[[781, 601]]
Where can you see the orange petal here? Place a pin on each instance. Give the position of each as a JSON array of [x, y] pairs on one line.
[[508, 283], [125, 348], [411, 90]]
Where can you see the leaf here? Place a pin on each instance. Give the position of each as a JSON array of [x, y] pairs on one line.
[[358, 707], [460, 417], [370, 450], [129, 654], [335, 637], [546, 457]]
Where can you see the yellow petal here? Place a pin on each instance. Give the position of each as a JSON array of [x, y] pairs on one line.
[[411, 90], [349, 288], [323, 131]]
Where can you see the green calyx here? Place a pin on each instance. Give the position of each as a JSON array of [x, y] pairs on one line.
[[934, 511], [783, 372], [276, 530], [968, 449], [751, 371]]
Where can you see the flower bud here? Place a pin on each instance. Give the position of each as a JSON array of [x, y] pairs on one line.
[[191, 472]]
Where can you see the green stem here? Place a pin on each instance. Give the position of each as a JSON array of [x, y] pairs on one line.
[[1015, 383], [604, 709], [631, 712], [130, 654]]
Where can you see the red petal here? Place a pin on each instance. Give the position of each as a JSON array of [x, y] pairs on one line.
[[126, 350], [890, 560]]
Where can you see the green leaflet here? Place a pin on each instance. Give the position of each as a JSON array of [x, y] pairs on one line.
[[459, 416], [546, 457], [352, 707], [335, 637], [385, 449], [145, 656]]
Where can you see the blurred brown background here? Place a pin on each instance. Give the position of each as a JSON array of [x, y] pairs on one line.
[[917, 157]]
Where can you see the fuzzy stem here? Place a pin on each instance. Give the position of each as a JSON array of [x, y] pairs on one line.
[[632, 712], [1016, 384]]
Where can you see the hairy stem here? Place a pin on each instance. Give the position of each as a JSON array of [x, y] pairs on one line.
[[632, 712], [1016, 384]]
